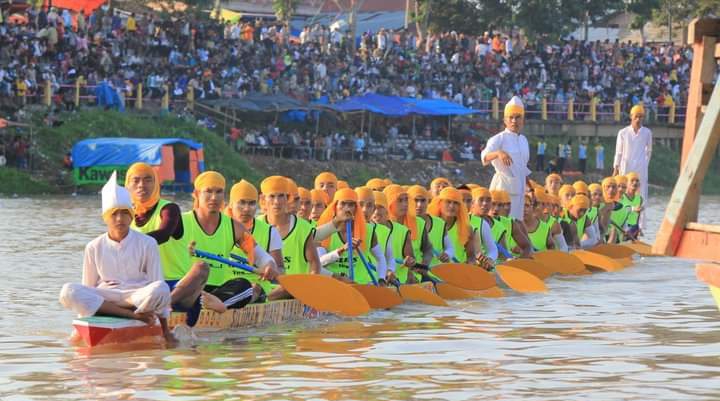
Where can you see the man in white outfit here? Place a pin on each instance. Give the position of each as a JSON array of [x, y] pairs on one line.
[[122, 275], [632, 152], [509, 153]]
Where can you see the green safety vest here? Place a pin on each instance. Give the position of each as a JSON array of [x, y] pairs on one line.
[[618, 218], [460, 253], [509, 239], [342, 267], [633, 217], [220, 243], [436, 235], [497, 229], [293, 249], [382, 234], [261, 234], [174, 255], [476, 222], [593, 214], [398, 234], [539, 237], [417, 243]]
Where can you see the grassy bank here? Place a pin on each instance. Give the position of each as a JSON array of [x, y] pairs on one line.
[[20, 182]]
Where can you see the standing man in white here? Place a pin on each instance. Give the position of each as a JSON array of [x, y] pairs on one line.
[[509, 153], [633, 150]]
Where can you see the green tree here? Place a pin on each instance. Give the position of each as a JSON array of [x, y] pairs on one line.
[[284, 10], [678, 13], [643, 13]]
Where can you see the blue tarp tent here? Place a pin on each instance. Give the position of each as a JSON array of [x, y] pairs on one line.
[[176, 160], [395, 106]]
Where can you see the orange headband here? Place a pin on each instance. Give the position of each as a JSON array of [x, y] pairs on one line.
[[304, 194], [376, 184], [208, 179], [365, 194], [380, 199], [462, 219], [318, 195], [275, 185], [325, 176], [393, 193], [143, 169]]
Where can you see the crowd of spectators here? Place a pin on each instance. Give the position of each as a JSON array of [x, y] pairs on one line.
[[222, 59]]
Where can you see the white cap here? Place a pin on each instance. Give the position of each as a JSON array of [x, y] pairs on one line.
[[515, 101], [115, 196]]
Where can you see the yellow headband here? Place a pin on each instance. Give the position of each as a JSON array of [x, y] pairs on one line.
[[393, 193], [208, 179], [500, 196], [566, 189], [632, 176], [380, 199], [243, 190], [304, 194], [593, 187], [481, 192], [621, 179], [552, 177], [342, 184], [417, 191], [580, 187], [318, 195], [512, 109], [325, 176], [365, 194], [580, 202], [292, 189], [376, 184], [143, 169], [638, 108], [440, 180], [275, 185]]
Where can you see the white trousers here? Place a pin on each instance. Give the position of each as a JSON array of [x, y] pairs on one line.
[[85, 301], [517, 206]]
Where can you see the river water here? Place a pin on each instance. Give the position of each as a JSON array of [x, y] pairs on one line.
[[650, 332]]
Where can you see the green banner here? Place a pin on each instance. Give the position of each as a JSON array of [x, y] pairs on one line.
[[98, 174]]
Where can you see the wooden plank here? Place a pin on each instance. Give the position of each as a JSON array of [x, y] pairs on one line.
[[700, 27], [699, 245], [703, 70], [703, 227], [683, 203]]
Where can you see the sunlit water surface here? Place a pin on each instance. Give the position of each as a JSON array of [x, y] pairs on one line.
[[650, 332]]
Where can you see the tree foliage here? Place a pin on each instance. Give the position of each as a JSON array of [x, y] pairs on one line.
[[284, 9]]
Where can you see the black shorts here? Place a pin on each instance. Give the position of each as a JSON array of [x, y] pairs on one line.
[[235, 293]]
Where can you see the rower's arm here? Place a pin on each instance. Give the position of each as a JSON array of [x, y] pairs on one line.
[[170, 220], [276, 248], [311, 256], [325, 231], [427, 248], [390, 257], [487, 239], [90, 275], [448, 246], [519, 232]]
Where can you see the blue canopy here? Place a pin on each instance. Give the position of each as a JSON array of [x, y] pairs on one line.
[[395, 106], [123, 151]]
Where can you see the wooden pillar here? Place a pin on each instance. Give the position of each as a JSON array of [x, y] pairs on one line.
[[47, 94], [543, 110], [139, 97], [190, 97], [593, 109], [617, 111], [495, 109], [165, 104], [571, 110], [77, 93]]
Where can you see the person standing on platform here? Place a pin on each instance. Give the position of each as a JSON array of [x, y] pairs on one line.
[[509, 153], [599, 156], [561, 158], [582, 156], [540, 160], [633, 151]]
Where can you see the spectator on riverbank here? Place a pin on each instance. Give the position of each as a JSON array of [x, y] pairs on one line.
[[540, 156], [582, 156]]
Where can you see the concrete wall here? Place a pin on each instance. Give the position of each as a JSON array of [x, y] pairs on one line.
[[582, 129]]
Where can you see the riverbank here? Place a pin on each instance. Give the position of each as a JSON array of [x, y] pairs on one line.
[[52, 142]]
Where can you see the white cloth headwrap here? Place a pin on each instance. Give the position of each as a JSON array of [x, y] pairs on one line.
[[115, 196]]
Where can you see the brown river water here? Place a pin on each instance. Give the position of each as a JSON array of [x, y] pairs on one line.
[[650, 332]]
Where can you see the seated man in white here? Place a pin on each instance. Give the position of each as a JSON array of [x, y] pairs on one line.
[[121, 275]]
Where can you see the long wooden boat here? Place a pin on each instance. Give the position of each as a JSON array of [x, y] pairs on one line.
[[105, 330], [709, 273]]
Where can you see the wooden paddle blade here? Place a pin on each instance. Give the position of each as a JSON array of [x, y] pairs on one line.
[[416, 293], [449, 291], [519, 280], [598, 261], [531, 266], [642, 248], [379, 297], [493, 292], [709, 273], [613, 251], [325, 294], [625, 262], [560, 262], [465, 276]]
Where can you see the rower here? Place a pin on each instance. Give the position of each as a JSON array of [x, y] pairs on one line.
[[548, 214], [305, 203], [613, 212], [480, 221], [596, 198], [243, 208], [622, 185], [385, 263], [299, 252], [122, 275], [319, 201], [400, 212], [566, 194], [553, 182], [437, 185], [442, 246], [633, 199], [210, 230], [376, 184], [363, 236], [162, 220], [293, 196], [399, 240], [516, 236], [581, 188], [538, 230], [449, 206], [327, 181], [466, 194], [588, 235]]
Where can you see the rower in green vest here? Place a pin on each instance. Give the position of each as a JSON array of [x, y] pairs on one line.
[[613, 212], [481, 222], [515, 235], [243, 208], [449, 206], [382, 257], [299, 252], [399, 243], [538, 230], [633, 200], [304, 204], [319, 202], [441, 247], [208, 229], [337, 259], [162, 220]]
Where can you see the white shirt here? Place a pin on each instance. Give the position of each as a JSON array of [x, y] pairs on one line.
[[129, 264], [509, 178], [633, 151]]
